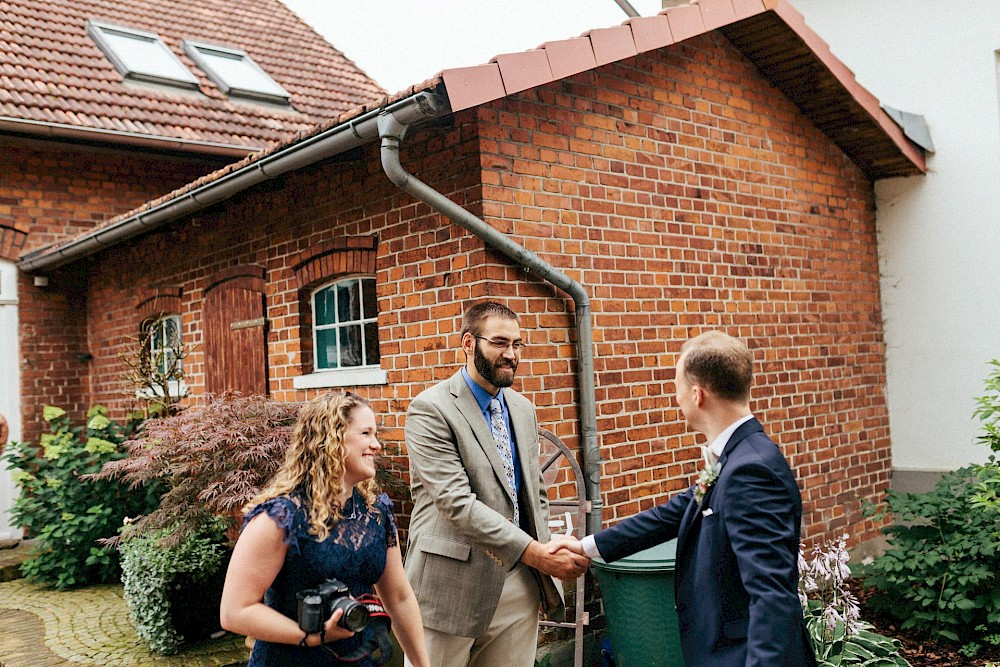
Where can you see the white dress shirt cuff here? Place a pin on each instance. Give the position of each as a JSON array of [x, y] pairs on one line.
[[589, 545]]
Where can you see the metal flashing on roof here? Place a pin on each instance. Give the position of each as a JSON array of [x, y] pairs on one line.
[[914, 126]]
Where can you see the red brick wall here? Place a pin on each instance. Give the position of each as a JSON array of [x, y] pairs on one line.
[[50, 192], [686, 194], [680, 189]]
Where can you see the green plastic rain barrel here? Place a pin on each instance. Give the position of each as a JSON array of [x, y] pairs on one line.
[[638, 594]]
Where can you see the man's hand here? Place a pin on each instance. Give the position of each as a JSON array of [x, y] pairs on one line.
[[555, 561], [567, 542]]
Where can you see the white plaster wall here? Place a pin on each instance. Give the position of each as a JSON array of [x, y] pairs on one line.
[[939, 234], [10, 388]]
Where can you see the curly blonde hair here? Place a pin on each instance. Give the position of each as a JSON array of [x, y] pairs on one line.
[[314, 461]]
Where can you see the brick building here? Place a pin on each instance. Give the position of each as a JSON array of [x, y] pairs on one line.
[[106, 105], [710, 167]]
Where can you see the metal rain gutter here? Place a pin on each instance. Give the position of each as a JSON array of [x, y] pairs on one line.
[[392, 129], [335, 140], [66, 131]]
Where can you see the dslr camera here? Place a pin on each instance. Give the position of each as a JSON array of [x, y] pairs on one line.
[[315, 605]]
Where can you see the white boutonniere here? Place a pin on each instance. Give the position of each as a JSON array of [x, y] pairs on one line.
[[707, 476]]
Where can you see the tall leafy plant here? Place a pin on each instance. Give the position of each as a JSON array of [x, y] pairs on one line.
[[988, 408], [987, 491], [939, 574], [66, 512]]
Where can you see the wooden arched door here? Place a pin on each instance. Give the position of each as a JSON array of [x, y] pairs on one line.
[[235, 341]]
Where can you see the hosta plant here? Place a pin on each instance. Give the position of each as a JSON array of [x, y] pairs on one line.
[[833, 616]]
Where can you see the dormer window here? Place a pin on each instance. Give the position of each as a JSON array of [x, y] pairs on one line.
[[236, 74], [140, 55]]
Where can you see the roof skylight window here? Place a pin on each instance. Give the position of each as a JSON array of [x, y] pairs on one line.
[[140, 55], [235, 72]]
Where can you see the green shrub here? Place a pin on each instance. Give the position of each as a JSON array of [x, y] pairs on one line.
[[66, 513], [987, 492], [151, 573], [938, 575], [988, 409], [833, 617]]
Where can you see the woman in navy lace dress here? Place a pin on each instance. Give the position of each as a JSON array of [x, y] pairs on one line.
[[321, 518]]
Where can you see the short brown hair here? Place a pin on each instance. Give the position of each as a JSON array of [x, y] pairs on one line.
[[720, 363], [474, 317]]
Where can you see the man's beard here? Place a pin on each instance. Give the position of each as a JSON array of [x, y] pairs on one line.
[[492, 372]]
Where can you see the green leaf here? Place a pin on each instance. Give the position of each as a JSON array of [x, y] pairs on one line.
[[50, 413]]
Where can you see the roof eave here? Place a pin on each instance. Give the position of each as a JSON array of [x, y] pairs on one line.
[[75, 132]]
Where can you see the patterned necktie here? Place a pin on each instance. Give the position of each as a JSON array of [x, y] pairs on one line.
[[502, 440]]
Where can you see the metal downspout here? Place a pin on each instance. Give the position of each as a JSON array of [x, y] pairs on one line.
[[392, 130], [627, 8]]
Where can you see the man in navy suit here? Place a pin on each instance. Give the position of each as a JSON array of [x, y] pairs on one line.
[[737, 529]]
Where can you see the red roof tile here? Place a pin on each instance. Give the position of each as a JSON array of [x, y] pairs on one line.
[[52, 72], [612, 44], [651, 32], [685, 22], [523, 70], [569, 56]]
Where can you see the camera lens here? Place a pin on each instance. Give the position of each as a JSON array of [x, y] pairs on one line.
[[355, 616]]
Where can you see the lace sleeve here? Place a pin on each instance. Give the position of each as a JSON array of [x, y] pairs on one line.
[[384, 506], [287, 514]]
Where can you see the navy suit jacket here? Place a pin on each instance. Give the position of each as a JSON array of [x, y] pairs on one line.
[[737, 559]]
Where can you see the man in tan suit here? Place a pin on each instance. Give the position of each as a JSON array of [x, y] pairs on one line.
[[475, 557]]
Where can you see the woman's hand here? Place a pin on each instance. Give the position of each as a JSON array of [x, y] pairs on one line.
[[333, 631]]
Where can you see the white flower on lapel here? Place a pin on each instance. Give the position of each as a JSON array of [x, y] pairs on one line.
[[706, 478]]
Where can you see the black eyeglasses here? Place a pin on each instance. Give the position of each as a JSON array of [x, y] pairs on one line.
[[503, 344]]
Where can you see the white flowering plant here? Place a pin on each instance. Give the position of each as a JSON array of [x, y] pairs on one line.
[[833, 615]]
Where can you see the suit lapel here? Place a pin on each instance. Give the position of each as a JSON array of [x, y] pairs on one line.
[[694, 509], [466, 404], [526, 438], [740, 434]]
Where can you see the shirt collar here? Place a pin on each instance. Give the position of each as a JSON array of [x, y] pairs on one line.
[[482, 396], [722, 440]]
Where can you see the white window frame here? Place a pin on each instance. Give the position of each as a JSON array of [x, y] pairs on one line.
[[176, 387], [203, 54], [179, 75], [344, 376]]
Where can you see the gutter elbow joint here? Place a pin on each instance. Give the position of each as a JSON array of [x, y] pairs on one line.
[[392, 132]]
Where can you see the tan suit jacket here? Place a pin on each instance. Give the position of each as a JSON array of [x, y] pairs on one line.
[[462, 538]]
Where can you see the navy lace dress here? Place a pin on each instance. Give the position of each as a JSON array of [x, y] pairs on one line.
[[354, 553]]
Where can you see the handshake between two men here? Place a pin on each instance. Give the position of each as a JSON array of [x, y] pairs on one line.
[[562, 557]]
